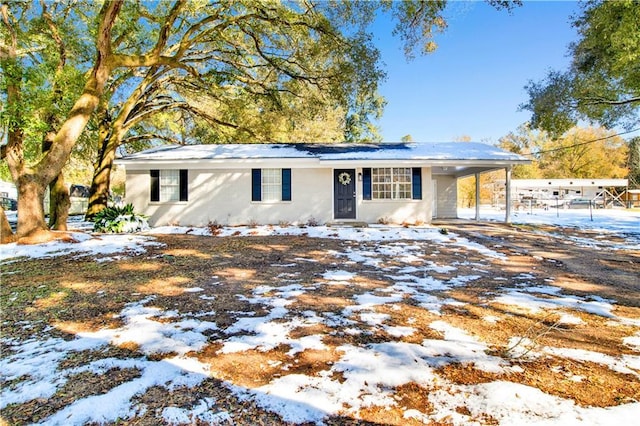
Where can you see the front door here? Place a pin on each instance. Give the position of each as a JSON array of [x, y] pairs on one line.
[[344, 194]]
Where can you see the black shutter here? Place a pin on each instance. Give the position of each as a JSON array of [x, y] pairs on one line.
[[366, 184], [155, 185], [286, 184], [256, 185], [416, 181], [184, 185]]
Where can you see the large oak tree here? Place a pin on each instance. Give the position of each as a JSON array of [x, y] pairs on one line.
[[268, 50], [32, 179]]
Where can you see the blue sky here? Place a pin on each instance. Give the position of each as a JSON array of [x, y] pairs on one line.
[[474, 82]]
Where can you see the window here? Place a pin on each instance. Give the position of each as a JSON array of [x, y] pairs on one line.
[[169, 185], [270, 185], [392, 183]]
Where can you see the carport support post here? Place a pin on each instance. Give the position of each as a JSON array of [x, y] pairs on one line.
[[477, 196], [507, 215]]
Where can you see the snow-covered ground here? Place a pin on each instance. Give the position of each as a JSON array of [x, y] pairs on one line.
[[367, 374], [608, 221]]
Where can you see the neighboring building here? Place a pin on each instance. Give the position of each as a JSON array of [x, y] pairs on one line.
[[562, 192], [8, 189], [194, 185], [8, 196], [631, 198], [78, 197]]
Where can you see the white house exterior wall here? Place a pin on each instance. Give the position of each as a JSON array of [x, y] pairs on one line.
[[224, 196], [447, 196], [397, 211]]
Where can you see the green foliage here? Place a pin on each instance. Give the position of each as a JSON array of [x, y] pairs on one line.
[[603, 82], [289, 72], [49, 75], [117, 220]]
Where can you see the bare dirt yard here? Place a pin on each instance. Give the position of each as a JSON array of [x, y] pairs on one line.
[[298, 330]]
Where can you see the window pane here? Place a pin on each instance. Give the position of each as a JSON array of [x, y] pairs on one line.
[[169, 185], [401, 183], [381, 183], [271, 184]]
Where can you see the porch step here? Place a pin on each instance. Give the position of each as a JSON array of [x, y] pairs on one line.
[[352, 224]]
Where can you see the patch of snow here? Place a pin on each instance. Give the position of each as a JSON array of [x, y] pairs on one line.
[[86, 245], [491, 319], [153, 336], [626, 364], [633, 341], [338, 275], [621, 224], [532, 303], [461, 347], [516, 404], [569, 319], [201, 412]]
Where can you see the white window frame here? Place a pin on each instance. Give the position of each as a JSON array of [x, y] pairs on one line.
[[391, 183], [271, 185], [169, 185]]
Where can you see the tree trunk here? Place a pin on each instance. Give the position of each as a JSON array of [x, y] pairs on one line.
[[99, 193], [30, 206], [59, 204], [100, 183], [6, 233], [110, 133], [59, 201]]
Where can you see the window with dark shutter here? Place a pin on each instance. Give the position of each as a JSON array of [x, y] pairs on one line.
[[286, 184], [256, 185], [270, 185], [169, 185], [366, 184], [184, 185], [155, 185], [416, 183]]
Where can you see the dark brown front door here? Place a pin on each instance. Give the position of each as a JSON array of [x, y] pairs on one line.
[[344, 194]]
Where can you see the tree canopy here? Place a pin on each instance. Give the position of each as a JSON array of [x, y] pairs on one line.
[[583, 152], [254, 66], [602, 84]]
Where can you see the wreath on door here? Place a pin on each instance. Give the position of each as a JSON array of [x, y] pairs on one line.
[[344, 178]]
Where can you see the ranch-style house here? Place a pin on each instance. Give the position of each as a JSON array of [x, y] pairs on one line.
[[239, 184]]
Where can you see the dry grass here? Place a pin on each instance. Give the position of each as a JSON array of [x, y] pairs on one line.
[[75, 295]]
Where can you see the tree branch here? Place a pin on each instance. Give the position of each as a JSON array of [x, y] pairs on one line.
[[605, 101], [150, 136]]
